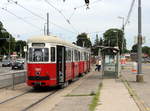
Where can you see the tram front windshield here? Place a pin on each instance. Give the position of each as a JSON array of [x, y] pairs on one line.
[[38, 54]]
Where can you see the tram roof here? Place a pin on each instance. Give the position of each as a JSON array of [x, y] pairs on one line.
[[50, 39]]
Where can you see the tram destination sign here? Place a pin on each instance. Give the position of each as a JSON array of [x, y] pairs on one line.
[[38, 44]]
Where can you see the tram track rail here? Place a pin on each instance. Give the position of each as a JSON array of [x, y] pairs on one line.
[[9, 99], [29, 98], [40, 100]]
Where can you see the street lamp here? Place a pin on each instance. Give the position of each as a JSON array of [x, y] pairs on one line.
[[119, 17], [9, 46]]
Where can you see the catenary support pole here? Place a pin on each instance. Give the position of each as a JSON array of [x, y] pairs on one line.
[[47, 23], [139, 76]]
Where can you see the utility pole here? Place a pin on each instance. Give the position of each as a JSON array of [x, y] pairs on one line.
[[47, 23], [83, 43], [45, 29], [123, 32], [20, 51], [9, 46], [139, 76]]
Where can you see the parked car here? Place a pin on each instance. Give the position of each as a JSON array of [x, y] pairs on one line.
[[17, 65], [147, 60], [21, 60], [6, 63]]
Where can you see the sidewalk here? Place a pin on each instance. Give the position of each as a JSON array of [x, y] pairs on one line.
[[115, 97], [79, 98]]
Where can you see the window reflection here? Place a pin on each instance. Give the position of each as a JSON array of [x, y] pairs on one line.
[[38, 54]]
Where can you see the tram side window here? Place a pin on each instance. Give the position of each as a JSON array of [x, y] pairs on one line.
[[69, 55], [66, 54], [46, 54], [52, 54], [76, 55]]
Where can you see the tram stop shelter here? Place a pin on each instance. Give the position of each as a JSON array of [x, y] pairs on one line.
[[110, 62]]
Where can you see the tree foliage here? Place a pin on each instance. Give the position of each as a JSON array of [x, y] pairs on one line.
[[83, 40], [98, 42], [146, 50], [114, 38], [134, 48], [8, 42], [20, 47]]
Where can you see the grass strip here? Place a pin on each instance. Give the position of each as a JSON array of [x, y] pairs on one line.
[[95, 99], [72, 95]]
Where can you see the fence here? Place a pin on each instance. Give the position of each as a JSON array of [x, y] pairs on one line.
[[13, 78]]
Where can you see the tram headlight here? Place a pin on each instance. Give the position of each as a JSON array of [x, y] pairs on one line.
[[37, 73]]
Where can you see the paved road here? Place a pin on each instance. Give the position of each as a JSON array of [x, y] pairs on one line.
[[7, 69], [142, 89], [7, 80]]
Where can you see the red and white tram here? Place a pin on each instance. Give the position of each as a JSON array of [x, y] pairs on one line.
[[53, 61]]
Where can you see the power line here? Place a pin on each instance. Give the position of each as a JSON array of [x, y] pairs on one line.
[[16, 3], [81, 6], [27, 10], [67, 20], [72, 14], [21, 18], [129, 13], [95, 32]]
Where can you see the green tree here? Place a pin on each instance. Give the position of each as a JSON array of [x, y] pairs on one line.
[[20, 47], [98, 42], [134, 48], [7, 42], [83, 40], [146, 50], [113, 38], [101, 42]]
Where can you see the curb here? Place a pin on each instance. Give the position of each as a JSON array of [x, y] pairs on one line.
[[133, 94]]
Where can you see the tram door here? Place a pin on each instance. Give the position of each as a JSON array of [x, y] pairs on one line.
[[61, 64]]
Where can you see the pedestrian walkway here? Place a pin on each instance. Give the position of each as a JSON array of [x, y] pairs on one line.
[[115, 97]]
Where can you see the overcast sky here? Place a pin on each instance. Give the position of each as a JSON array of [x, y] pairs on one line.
[[102, 15]]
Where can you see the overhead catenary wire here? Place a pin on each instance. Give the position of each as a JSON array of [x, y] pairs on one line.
[[33, 13], [26, 9], [95, 32], [72, 14], [21, 18], [59, 11], [81, 6]]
